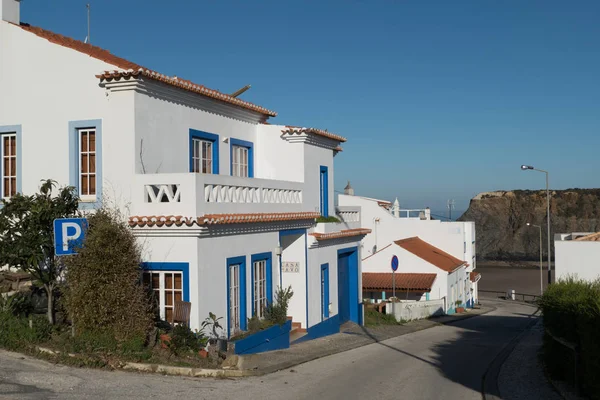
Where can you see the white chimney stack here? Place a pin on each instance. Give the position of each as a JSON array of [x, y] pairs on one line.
[[10, 11], [396, 208]]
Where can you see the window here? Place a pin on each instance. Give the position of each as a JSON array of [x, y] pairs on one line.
[[242, 159], [259, 269], [85, 158], [324, 191], [204, 152], [325, 292], [168, 288], [236, 295], [261, 283], [9, 165], [87, 163], [202, 157]]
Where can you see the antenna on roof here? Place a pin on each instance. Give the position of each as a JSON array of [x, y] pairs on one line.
[[240, 91], [87, 38]]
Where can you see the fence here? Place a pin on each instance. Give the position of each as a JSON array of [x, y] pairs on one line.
[[409, 310], [525, 297]]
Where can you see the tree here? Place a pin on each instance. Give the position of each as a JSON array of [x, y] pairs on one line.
[[103, 292], [27, 238]]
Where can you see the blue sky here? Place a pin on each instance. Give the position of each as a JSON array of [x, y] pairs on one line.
[[438, 99]]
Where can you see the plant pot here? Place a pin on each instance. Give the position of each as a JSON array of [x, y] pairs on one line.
[[222, 345], [203, 353], [460, 309]]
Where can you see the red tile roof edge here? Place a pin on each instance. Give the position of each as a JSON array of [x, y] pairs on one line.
[[217, 219], [106, 56], [341, 234], [404, 281], [474, 276], [297, 130]]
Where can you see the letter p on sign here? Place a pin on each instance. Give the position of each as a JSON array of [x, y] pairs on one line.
[[69, 234]]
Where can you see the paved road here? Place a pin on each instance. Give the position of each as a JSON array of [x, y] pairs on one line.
[[445, 362]]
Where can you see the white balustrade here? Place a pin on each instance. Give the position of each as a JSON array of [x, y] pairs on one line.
[[220, 193], [162, 193]]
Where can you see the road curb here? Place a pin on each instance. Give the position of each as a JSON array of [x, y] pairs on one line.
[[490, 389]]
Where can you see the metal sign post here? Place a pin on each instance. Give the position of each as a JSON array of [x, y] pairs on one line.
[[394, 269]]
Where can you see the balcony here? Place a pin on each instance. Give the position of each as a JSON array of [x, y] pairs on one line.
[[190, 194], [349, 217]]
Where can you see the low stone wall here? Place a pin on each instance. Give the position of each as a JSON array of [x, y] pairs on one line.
[[408, 311]]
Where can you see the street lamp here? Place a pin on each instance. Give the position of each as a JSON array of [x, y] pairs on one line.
[[524, 168], [541, 274]]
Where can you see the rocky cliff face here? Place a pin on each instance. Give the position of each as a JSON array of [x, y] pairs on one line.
[[501, 217]]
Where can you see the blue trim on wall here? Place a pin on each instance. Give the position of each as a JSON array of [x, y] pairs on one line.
[[325, 291], [211, 137], [352, 282], [328, 327], [269, 269], [182, 267], [17, 131], [306, 271], [287, 232], [250, 147], [74, 126], [324, 190], [273, 338], [241, 260]]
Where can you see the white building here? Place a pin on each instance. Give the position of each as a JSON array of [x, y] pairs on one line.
[[223, 202], [389, 223], [424, 272], [577, 255]]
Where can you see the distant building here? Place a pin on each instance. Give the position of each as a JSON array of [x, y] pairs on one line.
[[578, 255]]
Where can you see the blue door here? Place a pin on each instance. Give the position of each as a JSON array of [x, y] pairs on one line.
[[348, 307], [324, 291], [324, 195]]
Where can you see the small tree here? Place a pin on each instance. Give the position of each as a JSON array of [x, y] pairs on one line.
[[103, 290], [26, 234]]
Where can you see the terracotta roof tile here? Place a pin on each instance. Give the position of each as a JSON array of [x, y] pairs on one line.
[[474, 276], [297, 130], [132, 69], [217, 219], [431, 254], [404, 281], [341, 234]]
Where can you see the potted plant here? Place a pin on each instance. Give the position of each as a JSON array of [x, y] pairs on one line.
[[459, 309], [212, 323]]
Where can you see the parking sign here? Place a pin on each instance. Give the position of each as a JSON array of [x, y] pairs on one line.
[[69, 234]]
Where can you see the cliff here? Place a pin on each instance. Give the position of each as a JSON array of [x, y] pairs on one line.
[[501, 217]]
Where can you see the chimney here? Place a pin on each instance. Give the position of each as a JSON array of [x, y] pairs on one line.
[[396, 208], [348, 190], [10, 11]]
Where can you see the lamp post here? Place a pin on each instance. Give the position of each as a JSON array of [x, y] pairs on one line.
[[525, 168], [541, 273]]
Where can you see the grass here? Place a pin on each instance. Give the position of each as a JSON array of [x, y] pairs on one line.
[[375, 318]]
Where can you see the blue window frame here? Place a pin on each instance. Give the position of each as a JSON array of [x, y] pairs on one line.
[[162, 278], [198, 160], [241, 158], [427, 296], [262, 282], [85, 160], [10, 160], [324, 190], [236, 295], [324, 291]]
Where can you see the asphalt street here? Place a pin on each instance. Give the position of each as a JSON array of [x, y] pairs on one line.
[[445, 362]]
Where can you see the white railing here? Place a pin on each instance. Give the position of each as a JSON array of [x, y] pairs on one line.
[[348, 214], [191, 194]]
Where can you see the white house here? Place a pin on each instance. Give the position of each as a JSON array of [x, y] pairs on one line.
[[577, 255], [389, 223], [225, 204], [424, 272]]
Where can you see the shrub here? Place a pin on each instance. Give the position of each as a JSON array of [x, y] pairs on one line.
[[571, 310], [103, 287], [184, 340], [276, 312], [19, 304], [16, 334], [328, 219]]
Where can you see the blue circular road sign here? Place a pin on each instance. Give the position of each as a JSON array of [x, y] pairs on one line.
[[394, 263]]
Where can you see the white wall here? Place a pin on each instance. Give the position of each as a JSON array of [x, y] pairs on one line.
[[314, 157], [411, 310], [276, 158], [294, 250], [579, 258]]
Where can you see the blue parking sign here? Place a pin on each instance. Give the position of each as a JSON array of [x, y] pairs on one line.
[[69, 234]]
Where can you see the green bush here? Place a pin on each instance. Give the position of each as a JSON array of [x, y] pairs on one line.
[[184, 340], [16, 334], [571, 311], [19, 304], [103, 287], [324, 219], [276, 312]]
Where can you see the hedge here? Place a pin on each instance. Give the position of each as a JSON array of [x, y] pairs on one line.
[[571, 311]]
